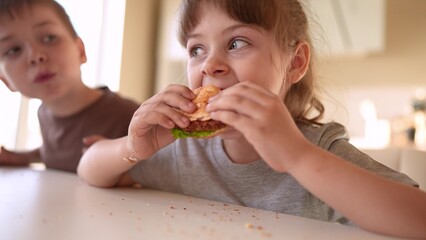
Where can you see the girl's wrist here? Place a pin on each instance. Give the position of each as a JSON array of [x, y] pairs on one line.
[[305, 152], [129, 154], [131, 159]]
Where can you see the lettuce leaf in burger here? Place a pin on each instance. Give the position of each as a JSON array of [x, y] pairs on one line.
[[201, 125]]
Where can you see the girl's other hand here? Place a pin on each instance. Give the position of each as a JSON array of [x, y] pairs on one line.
[[150, 126], [263, 119]]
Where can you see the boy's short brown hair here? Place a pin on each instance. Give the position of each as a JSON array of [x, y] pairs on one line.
[[12, 9]]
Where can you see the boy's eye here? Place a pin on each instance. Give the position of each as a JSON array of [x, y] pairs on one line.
[[49, 38], [196, 51], [238, 43], [12, 51]]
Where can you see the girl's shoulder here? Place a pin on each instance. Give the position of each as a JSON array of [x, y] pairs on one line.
[[323, 135]]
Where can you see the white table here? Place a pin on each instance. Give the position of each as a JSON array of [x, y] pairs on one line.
[[44, 205]]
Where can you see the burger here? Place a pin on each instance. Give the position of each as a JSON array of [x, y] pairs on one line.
[[201, 125]]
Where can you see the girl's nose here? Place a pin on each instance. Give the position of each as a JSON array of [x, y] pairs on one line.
[[214, 66]]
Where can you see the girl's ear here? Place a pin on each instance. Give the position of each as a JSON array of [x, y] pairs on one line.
[[299, 62], [82, 50]]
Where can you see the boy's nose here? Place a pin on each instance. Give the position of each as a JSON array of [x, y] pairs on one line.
[[36, 56], [39, 58], [214, 66]]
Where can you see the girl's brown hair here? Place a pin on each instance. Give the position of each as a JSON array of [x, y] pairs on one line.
[[287, 20], [12, 9]]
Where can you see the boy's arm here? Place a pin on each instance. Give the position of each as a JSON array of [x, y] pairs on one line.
[[102, 164], [18, 158]]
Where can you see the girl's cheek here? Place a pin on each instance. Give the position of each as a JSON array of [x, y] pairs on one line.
[[194, 79]]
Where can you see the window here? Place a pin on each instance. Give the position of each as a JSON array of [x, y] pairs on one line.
[[100, 23]]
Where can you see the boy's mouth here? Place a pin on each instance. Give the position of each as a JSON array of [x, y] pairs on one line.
[[44, 77]]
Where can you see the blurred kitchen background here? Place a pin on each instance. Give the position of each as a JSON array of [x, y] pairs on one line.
[[371, 64]]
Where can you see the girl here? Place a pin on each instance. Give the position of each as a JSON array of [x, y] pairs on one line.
[[272, 156]]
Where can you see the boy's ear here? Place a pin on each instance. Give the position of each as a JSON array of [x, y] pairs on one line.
[[82, 50], [299, 62], [11, 88]]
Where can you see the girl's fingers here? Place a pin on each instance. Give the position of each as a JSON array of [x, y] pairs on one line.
[[161, 114], [177, 96], [250, 91], [237, 104], [252, 102], [163, 108]]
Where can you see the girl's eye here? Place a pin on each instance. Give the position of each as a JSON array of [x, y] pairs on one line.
[[196, 51], [238, 43]]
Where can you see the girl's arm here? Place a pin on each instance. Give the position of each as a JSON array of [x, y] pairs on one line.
[[104, 164], [368, 200]]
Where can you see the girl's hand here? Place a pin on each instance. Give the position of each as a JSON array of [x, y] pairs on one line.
[[149, 129], [263, 119]]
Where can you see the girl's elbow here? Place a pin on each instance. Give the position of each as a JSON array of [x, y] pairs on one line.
[[94, 182]]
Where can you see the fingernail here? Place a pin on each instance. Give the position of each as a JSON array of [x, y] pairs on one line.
[[171, 124], [189, 106], [184, 120]]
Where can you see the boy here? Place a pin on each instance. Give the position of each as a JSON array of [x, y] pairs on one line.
[[41, 55]]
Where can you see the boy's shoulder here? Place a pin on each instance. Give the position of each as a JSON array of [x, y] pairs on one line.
[[113, 99], [323, 135]]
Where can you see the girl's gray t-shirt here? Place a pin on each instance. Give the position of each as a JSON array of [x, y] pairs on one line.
[[201, 168]]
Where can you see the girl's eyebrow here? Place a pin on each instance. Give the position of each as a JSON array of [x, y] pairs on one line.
[[238, 26], [228, 29]]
